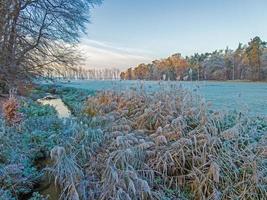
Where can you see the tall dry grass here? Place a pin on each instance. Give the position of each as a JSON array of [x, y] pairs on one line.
[[172, 141]]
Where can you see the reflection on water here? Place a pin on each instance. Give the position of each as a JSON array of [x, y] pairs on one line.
[[58, 104]]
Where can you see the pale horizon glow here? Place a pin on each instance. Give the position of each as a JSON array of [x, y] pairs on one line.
[[102, 55], [123, 33]]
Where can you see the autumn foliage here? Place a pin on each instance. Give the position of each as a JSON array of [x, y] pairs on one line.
[[11, 110], [172, 68], [247, 62]]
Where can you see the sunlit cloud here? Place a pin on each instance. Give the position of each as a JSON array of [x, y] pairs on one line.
[[99, 54]]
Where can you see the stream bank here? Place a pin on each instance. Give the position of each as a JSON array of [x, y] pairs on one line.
[[47, 185], [25, 146]]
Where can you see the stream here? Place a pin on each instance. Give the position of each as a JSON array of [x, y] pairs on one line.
[[47, 186], [58, 104]]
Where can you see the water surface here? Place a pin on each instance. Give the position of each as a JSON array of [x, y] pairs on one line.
[[58, 104]]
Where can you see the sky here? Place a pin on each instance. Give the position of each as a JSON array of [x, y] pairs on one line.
[[124, 33]]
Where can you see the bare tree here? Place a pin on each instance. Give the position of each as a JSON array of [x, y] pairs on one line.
[[40, 35]]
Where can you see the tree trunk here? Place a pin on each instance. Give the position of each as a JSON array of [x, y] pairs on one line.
[[9, 43]]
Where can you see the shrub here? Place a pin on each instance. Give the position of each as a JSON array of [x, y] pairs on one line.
[[11, 110]]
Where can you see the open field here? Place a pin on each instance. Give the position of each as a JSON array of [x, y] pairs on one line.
[[161, 100], [222, 95], [164, 145]]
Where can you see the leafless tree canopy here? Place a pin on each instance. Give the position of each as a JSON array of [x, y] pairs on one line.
[[39, 35]]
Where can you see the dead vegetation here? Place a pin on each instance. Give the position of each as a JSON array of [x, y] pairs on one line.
[[166, 145], [157, 145], [11, 109], [67, 173]]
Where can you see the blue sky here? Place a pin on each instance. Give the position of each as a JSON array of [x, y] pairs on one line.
[[124, 33]]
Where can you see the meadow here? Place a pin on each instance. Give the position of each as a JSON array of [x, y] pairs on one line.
[[67, 132], [250, 97], [135, 144]]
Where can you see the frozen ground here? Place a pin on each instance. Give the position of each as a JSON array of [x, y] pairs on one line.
[[222, 95]]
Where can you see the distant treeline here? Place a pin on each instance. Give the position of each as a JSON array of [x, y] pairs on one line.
[[82, 73], [247, 62]]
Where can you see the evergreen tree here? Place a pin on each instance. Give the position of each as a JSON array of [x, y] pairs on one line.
[[254, 53]]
